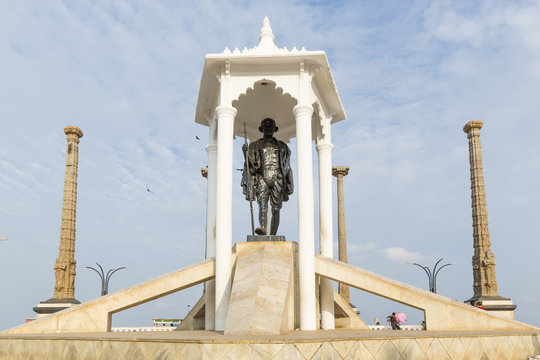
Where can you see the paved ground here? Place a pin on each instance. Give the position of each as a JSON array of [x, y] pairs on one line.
[[201, 336]]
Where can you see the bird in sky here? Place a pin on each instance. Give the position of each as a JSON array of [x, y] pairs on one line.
[[198, 138], [148, 189]]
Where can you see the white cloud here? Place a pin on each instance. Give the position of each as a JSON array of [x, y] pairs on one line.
[[361, 248], [397, 253]]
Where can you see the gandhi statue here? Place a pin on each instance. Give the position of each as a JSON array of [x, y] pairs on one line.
[[268, 176]]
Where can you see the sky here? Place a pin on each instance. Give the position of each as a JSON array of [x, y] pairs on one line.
[[410, 75]]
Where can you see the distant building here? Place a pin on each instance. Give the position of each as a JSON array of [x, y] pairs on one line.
[[166, 322]]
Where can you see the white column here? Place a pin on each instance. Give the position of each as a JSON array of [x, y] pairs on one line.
[[324, 150], [225, 126], [210, 294], [306, 236]]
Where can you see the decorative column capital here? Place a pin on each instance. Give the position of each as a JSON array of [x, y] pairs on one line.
[[340, 171], [325, 147], [211, 148], [226, 111], [73, 130], [473, 127], [204, 172], [299, 110]]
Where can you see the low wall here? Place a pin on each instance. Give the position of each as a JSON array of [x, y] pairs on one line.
[[375, 345]]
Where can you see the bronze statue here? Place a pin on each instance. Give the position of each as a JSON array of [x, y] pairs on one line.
[[267, 175]]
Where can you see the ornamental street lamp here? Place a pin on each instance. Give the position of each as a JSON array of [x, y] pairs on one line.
[[105, 277], [432, 274]]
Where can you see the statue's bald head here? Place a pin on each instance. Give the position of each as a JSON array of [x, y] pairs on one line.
[[268, 127]]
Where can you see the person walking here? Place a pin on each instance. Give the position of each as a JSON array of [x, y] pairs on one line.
[[393, 322]]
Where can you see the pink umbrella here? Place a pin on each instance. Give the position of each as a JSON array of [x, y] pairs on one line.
[[401, 318]]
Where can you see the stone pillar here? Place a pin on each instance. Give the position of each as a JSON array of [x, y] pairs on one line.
[[483, 260], [339, 172], [210, 293], [64, 288], [306, 233], [225, 126], [324, 151]]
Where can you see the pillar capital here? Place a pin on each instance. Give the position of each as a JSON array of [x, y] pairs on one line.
[[211, 148], [74, 131], [226, 111], [325, 147], [475, 124], [340, 171], [299, 110]]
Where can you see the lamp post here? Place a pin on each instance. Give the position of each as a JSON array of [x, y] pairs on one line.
[[432, 274], [105, 277]]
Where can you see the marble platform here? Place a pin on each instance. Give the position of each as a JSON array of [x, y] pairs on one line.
[[300, 345]]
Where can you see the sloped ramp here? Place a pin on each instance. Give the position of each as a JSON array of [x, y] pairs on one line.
[[441, 313], [95, 315], [194, 320], [345, 317]]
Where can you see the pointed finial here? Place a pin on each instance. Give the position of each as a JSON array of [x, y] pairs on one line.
[[266, 37]]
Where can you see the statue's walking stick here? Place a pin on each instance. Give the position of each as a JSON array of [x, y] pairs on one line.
[[248, 176]]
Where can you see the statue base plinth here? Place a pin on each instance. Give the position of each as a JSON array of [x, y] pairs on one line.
[[497, 304], [253, 238], [53, 305]]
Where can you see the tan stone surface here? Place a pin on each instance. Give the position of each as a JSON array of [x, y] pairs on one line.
[[95, 315], [483, 261], [326, 351], [359, 351], [194, 320], [345, 312], [441, 313], [339, 172], [334, 344], [413, 351], [261, 288], [308, 349], [64, 268], [436, 351], [343, 347]]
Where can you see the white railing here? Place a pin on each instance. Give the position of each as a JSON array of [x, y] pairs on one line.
[[143, 328], [171, 328], [403, 327]]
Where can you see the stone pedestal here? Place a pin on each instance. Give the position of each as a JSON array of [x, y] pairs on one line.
[[263, 290], [499, 305], [53, 305]]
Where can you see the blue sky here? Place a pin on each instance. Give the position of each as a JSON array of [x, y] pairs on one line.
[[410, 75]]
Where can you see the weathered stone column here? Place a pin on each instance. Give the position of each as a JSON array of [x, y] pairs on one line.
[[339, 172], [483, 260], [64, 288]]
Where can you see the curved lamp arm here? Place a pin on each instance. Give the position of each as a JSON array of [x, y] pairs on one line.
[[428, 272], [435, 276]]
